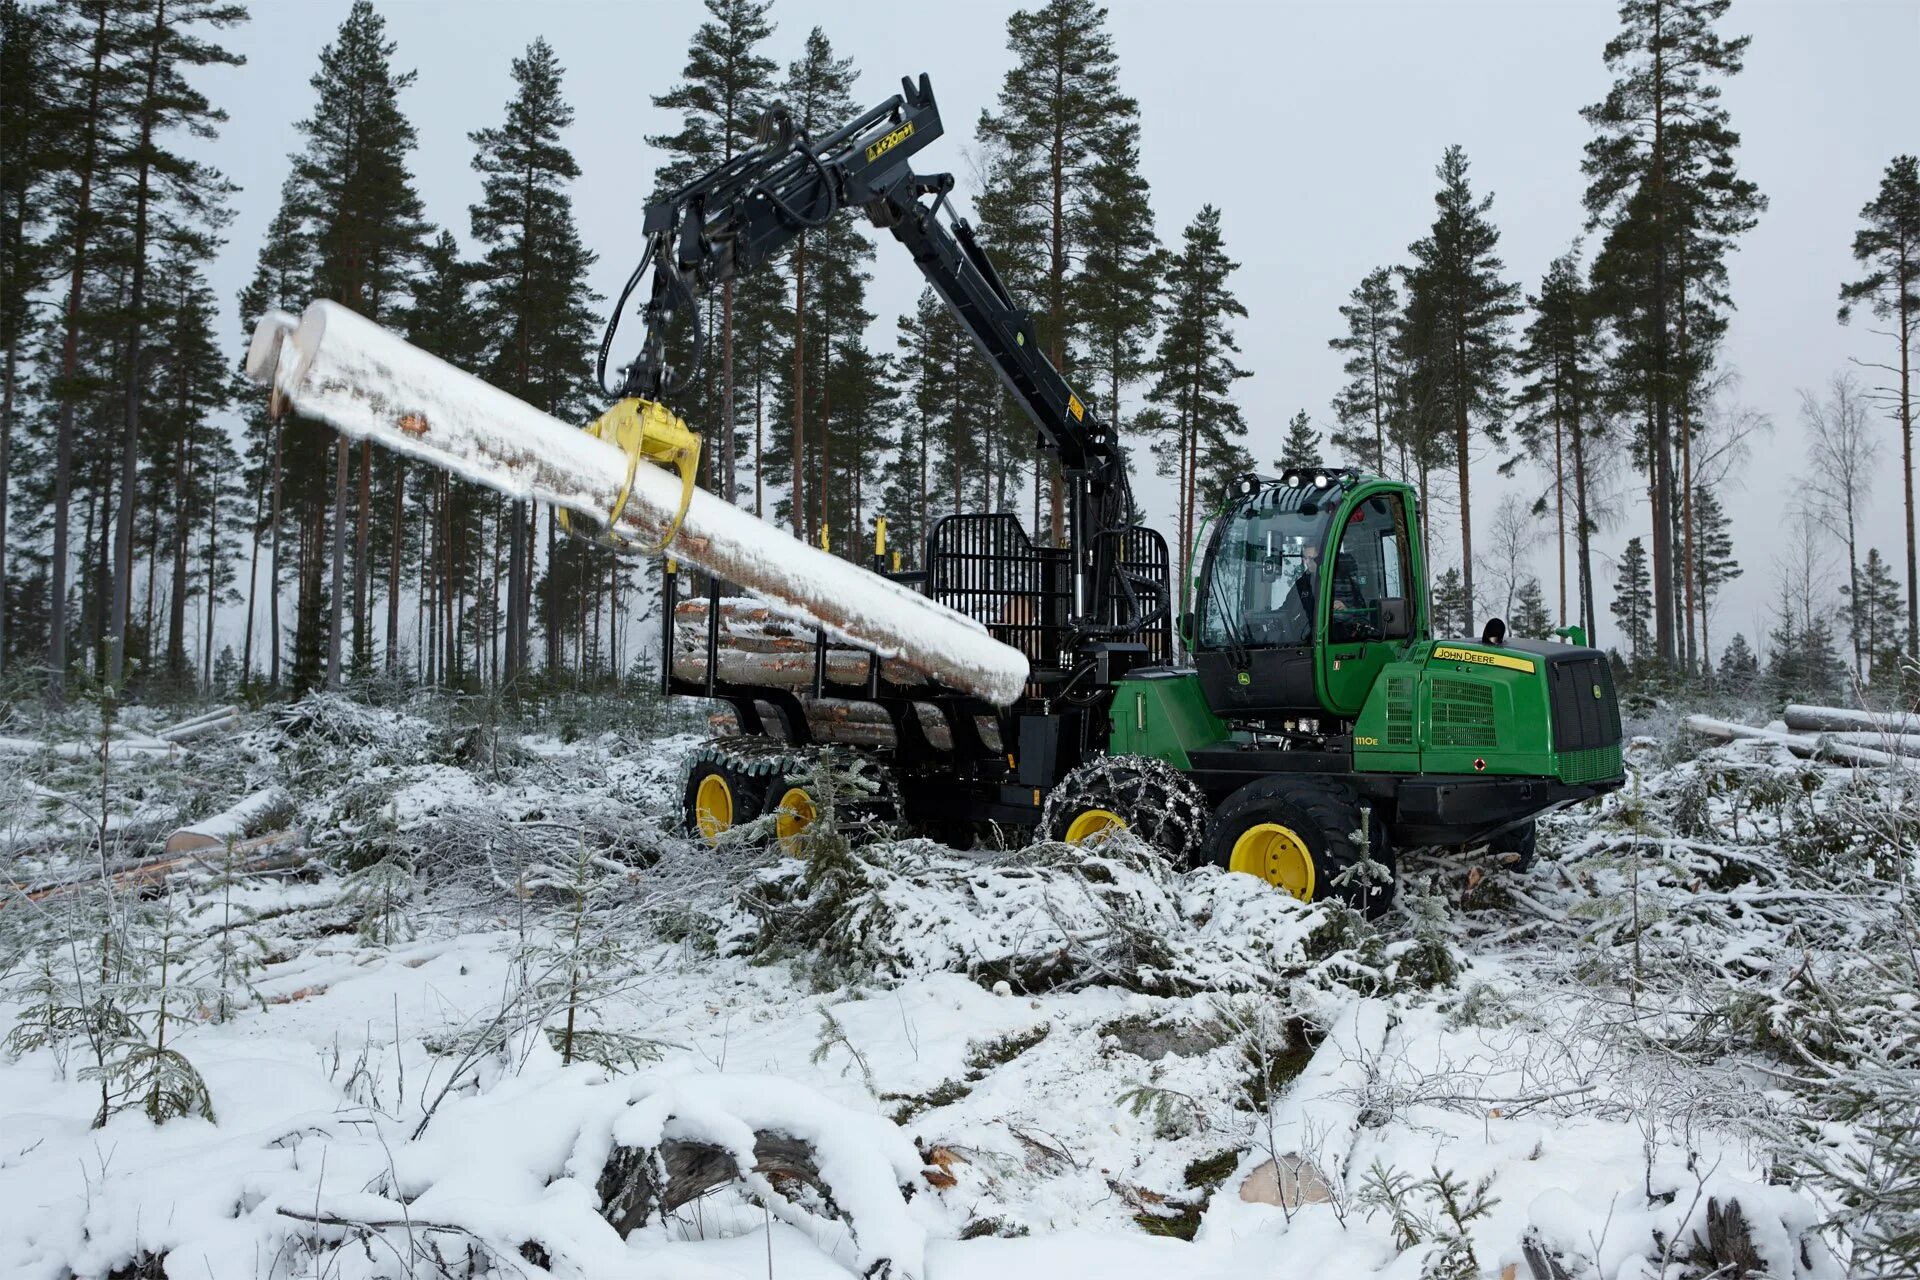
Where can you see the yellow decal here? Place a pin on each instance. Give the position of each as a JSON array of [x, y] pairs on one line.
[[1074, 407], [888, 143], [1446, 653], [1366, 742]]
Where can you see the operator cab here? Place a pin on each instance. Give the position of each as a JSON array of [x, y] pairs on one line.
[[1306, 589]]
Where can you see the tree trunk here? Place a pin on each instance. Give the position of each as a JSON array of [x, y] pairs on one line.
[[136, 316], [273, 571], [177, 607], [339, 568], [362, 612], [396, 563], [1560, 509], [6, 479], [1908, 323], [799, 503], [213, 583], [1662, 451], [69, 366], [253, 594]]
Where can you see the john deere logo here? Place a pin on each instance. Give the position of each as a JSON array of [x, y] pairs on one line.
[[1596, 691], [1245, 678]]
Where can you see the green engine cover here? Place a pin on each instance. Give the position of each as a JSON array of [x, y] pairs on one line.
[[1463, 708]]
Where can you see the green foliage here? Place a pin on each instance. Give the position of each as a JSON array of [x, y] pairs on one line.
[[1300, 450], [1439, 1209], [1368, 406], [381, 893], [1632, 605]]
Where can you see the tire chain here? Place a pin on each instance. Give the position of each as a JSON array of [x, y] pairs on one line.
[[1162, 805]]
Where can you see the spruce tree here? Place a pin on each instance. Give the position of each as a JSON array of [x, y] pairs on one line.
[[1300, 450], [1365, 406], [1530, 617], [1195, 418], [1888, 246], [1060, 114], [1662, 180], [534, 308], [1452, 612], [1874, 614], [1458, 310], [721, 95], [1711, 557], [1739, 667], [1633, 601], [357, 200]]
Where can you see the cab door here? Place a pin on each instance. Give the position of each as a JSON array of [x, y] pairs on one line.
[[1372, 562]]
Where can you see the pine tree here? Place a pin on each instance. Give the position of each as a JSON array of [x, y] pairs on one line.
[[1662, 179], [1888, 245], [29, 140], [163, 104], [1120, 269], [1633, 602], [1300, 451], [90, 94], [1060, 114], [720, 97], [818, 90], [1711, 558], [534, 307], [356, 197], [1458, 309], [1562, 362], [1194, 416], [282, 279], [1365, 406]]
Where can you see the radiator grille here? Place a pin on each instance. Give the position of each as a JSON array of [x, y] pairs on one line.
[[1592, 765], [1400, 711], [1463, 714]]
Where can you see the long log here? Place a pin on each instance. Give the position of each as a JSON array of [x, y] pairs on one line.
[[1840, 719], [1805, 748], [368, 384], [788, 670]]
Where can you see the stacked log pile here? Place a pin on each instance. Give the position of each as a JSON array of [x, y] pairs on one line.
[[758, 646], [1839, 734]]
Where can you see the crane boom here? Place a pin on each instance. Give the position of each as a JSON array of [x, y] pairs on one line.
[[735, 218]]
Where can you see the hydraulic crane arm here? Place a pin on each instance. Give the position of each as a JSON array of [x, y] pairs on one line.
[[735, 218]]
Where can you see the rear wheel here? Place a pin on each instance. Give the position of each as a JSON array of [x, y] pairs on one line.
[[721, 790], [865, 799], [1515, 847], [1148, 797], [1300, 835]]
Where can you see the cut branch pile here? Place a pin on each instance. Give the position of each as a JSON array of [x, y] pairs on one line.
[[1891, 748]]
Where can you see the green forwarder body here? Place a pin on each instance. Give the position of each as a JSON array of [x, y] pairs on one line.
[[1455, 742]]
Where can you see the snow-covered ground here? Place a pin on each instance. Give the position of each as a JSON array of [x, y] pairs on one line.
[[1000, 1064]]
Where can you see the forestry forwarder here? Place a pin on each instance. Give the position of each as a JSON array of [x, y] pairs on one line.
[[1317, 706]]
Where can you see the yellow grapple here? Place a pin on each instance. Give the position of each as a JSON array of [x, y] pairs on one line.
[[643, 429]]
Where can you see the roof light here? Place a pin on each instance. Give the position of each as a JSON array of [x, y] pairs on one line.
[[1291, 480], [1320, 481]]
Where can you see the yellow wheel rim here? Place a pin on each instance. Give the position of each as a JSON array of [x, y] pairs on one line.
[[1093, 822], [796, 815], [713, 807], [1277, 855]]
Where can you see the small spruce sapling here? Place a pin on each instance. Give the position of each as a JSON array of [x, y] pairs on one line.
[[238, 952]]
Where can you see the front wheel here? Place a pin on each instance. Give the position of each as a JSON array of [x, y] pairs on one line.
[[1148, 797], [1302, 835]]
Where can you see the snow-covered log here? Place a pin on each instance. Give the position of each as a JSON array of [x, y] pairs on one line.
[[365, 382], [1814, 748], [1842, 719], [215, 721], [118, 749], [210, 833]]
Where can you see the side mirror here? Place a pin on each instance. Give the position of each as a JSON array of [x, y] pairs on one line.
[[1396, 620]]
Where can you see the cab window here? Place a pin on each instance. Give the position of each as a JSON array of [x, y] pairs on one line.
[[1370, 565]]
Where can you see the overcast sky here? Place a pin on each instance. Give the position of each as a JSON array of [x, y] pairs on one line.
[[1314, 127]]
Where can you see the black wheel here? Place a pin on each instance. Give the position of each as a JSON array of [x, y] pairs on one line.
[[866, 801], [1149, 797], [1300, 835], [1516, 846], [721, 791]]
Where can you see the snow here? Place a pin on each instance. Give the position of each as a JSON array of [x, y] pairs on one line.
[[996, 1080], [369, 384]]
